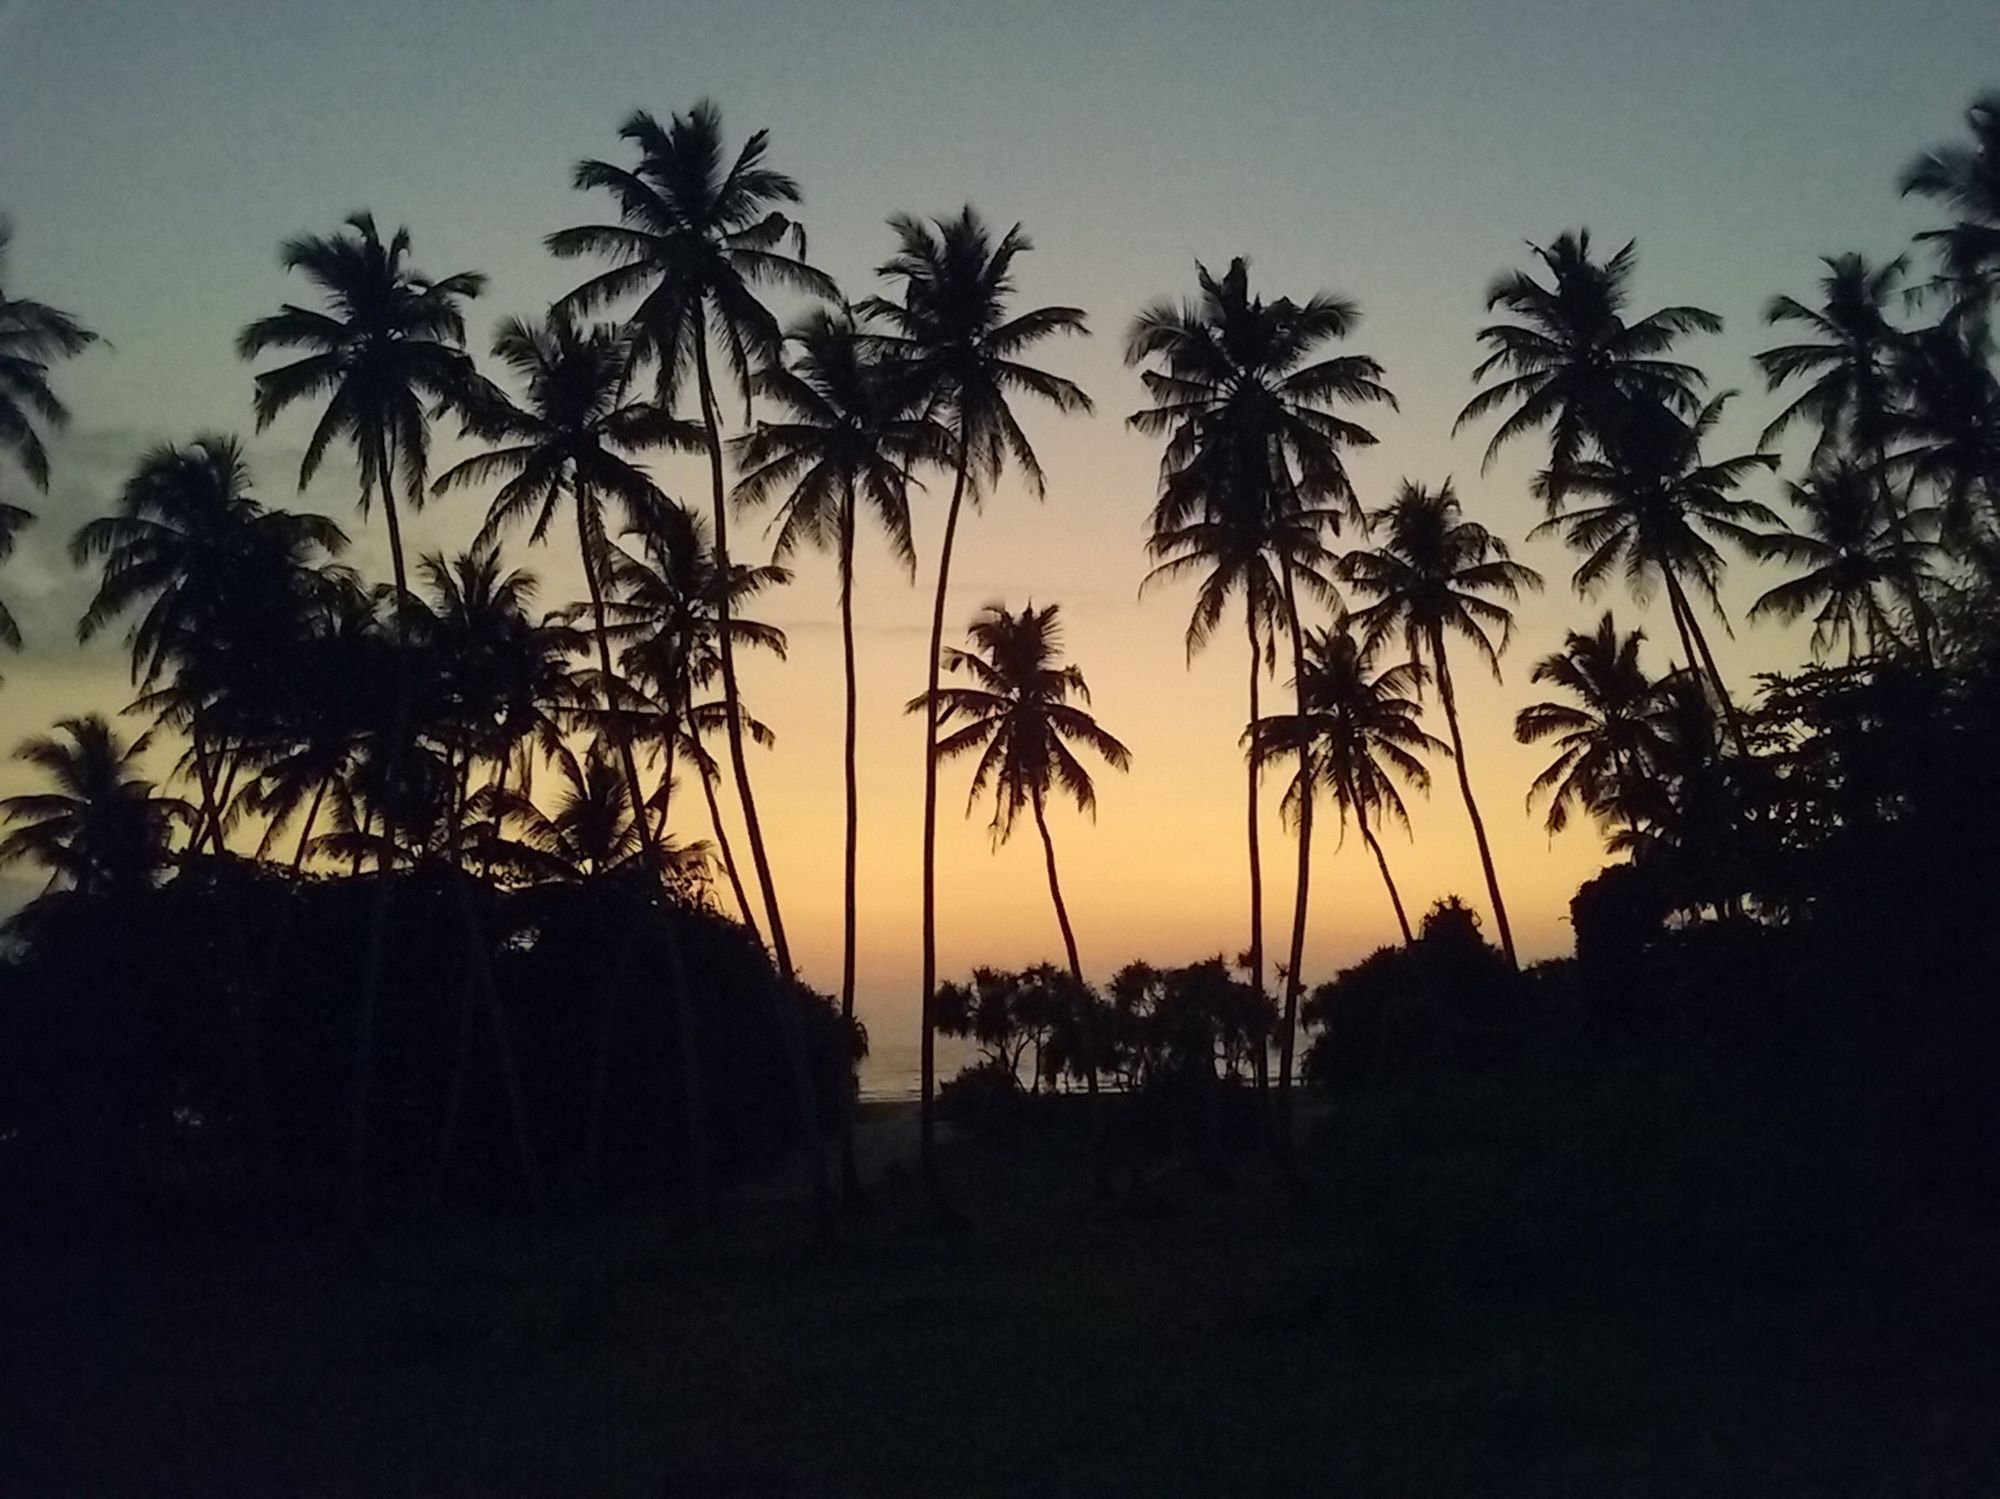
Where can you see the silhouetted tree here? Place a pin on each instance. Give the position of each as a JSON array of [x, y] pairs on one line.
[[1607, 739], [959, 342], [1434, 574], [695, 241], [102, 830]]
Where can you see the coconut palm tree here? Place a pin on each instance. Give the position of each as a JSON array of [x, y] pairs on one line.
[[957, 338], [1658, 503], [1360, 728], [1252, 479], [667, 617], [1023, 711], [1949, 427], [33, 336], [574, 438], [1852, 553], [1965, 178], [852, 434], [386, 351], [223, 581], [102, 830], [696, 241], [1607, 739], [1848, 357], [589, 831], [383, 354], [1570, 361], [1436, 574]]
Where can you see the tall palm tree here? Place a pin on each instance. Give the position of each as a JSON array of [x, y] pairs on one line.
[[696, 240], [1848, 356], [1023, 711], [1433, 575], [667, 615], [388, 348], [33, 336], [1852, 552], [1252, 479], [1361, 730], [1607, 739], [103, 830], [1965, 178], [960, 343], [1570, 361], [222, 580], [1658, 501], [384, 352], [575, 437], [852, 434], [1949, 427]]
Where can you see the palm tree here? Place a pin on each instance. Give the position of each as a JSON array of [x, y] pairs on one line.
[[1571, 362], [102, 831], [1360, 731], [590, 831], [1437, 574], [1849, 357], [575, 437], [1851, 550], [1950, 428], [1658, 503], [853, 434], [1608, 739], [386, 350], [33, 336], [1252, 478], [223, 581], [959, 342], [667, 614], [1966, 179], [695, 241], [1023, 712]]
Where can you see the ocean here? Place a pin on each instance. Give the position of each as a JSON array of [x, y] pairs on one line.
[[893, 1068]]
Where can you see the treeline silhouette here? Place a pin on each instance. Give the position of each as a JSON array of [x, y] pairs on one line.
[[430, 908]]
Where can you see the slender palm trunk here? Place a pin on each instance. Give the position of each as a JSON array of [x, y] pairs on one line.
[[728, 851], [1261, 1053], [204, 775], [376, 949], [1701, 659], [1100, 1172], [305, 831], [1294, 976], [927, 1155], [1382, 863], [711, 425], [850, 1174], [677, 979], [1449, 698]]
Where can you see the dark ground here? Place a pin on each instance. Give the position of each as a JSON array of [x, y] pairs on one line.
[[1490, 1296]]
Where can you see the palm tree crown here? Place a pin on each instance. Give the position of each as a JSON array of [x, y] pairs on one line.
[[1607, 739], [1570, 360], [1024, 710], [33, 336], [1849, 357], [101, 830]]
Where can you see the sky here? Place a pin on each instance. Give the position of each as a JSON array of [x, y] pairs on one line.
[[1398, 152]]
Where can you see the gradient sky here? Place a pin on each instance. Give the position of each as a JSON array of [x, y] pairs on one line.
[[1396, 151]]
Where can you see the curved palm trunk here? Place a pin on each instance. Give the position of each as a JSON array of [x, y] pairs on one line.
[[1261, 1053], [1450, 700], [850, 1174], [1702, 659], [1100, 1174], [677, 979], [927, 1156], [711, 425], [1294, 978], [1382, 863], [305, 831], [728, 851]]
